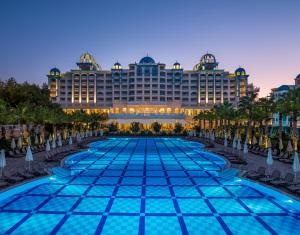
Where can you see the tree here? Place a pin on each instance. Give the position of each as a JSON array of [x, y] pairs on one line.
[[135, 127], [113, 127], [178, 128], [156, 127], [292, 107]]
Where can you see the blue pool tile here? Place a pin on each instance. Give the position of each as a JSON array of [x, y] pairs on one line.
[[46, 189], [227, 205], [135, 191], [155, 173], [134, 173], [80, 224], [176, 173], [186, 191], [72, 190], [108, 180], [158, 191], [7, 220], [26, 203], [83, 180], [101, 191], [261, 205], [241, 225], [126, 205], [159, 205], [206, 181], [156, 181], [214, 191], [121, 225], [284, 225], [113, 173], [92, 205], [132, 181], [39, 224], [162, 225], [59, 204], [198, 206], [207, 225], [243, 191], [180, 181]]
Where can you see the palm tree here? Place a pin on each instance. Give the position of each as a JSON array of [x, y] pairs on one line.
[[156, 127], [135, 127], [246, 106], [292, 107]]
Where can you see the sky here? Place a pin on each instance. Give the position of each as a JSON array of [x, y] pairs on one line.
[[263, 36]]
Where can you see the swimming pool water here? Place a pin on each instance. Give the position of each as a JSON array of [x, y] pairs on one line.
[[145, 186]]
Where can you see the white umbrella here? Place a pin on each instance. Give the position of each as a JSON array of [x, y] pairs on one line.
[[36, 140], [245, 150], [48, 146], [70, 141], [296, 165], [19, 142], [59, 143], [28, 157], [13, 144], [53, 144], [101, 132], [2, 162], [234, 143]]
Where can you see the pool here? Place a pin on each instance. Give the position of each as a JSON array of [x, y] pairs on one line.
[[146, 186]]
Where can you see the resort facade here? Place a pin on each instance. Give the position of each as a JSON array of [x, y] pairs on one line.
[[277, 93], [146, 91]]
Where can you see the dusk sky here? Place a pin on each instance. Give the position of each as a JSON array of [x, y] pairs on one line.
[[263, 36]]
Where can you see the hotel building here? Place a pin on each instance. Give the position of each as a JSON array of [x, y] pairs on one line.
[[146, 91], [278, 92]]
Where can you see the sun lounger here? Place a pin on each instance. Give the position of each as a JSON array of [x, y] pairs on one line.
[[294, 188], [3, 184], [14, 179], [289, 177], [256, 174], [275, 176], [25, 175]]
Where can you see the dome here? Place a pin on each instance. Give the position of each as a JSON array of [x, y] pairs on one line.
[[298, 77], [176, 65], [117, 65], [240, 71], [85, 59], [147, 60], [54, 72], [207, 62], [208, 59]]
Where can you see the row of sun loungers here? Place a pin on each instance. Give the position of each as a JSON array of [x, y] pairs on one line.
[[232, 157], [22, 152], [59, 153], [287, 182], [277, 155], [22, 175]]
